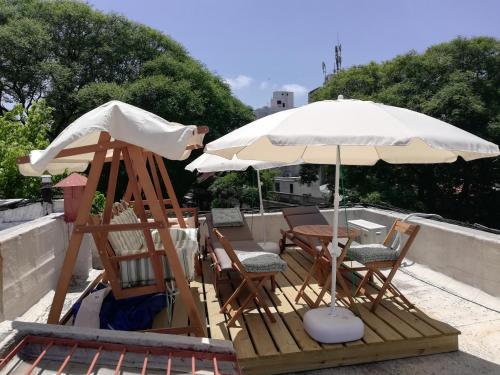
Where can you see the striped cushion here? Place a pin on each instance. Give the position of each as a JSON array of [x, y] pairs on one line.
[[126, 242], [137, 272]]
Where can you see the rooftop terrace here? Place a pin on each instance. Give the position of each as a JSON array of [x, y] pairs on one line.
[[449, 293]]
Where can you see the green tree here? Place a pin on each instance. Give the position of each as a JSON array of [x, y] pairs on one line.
[[20, 133], [456, 82], [77, 58]]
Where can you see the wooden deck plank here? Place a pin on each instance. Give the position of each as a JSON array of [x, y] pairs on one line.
[[293, 321], [283, 338], [440, 326], [196, 287], [391, 332], [396, 322], [216, 320], [263, 342], [290, 291], [239, 333], [420, 325], [309, 361]]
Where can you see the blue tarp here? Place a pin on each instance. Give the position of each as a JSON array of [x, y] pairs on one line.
[[129, 314]]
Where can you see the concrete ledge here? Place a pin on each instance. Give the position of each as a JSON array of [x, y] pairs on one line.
[[468, 255], [32, 254], [11, 332]]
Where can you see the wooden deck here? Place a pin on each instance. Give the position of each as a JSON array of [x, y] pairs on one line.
[[264, 347]]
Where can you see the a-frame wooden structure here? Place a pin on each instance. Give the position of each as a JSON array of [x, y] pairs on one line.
[[145, 188]]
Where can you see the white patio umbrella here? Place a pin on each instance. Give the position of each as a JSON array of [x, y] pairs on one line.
[[212, 163], [351, 132]]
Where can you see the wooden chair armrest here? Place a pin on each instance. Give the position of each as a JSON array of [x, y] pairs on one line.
[[146, 254]]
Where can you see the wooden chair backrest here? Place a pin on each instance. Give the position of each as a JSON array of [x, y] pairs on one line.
[[407, 229], [230, 251], [192, 211], [304, 215]]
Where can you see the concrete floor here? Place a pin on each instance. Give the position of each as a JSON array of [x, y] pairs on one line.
[[440, 296]]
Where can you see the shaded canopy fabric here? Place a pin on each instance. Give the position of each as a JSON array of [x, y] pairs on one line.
[[124, 122], [365, 131], [207, 163]]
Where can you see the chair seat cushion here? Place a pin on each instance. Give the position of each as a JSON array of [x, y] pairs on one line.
[[246, 246], [371, 253], [261, 261]]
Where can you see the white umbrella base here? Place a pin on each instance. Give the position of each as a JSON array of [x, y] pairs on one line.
[[328, 328]]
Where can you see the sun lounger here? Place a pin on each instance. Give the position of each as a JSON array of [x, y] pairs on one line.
[[239, 236], [255, 268]]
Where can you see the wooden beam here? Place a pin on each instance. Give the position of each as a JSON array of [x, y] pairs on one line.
[[118, 227], [170, 190], [76, 238], [135, 170], [80, 150], [173, 259]]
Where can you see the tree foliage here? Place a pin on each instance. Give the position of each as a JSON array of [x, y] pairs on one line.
[[240, 188], [457, 82], [76, 58], [21, 132]]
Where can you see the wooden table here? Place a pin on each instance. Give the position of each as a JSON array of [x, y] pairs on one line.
[[325, 234]]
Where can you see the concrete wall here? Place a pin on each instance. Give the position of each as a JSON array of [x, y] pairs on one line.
[[31, 257], [467, 255]]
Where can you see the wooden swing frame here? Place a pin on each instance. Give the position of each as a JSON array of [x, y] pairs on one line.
[[142, 182]]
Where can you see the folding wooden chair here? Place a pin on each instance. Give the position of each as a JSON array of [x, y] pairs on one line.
[[325, 258], [295, 216], [376, 257], [252, 280]]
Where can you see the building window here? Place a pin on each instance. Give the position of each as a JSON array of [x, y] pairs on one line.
[[277, 186], [283, 105], [279, 102], [291, 188]]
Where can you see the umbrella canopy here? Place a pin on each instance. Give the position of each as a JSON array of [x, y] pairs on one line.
[[212, 163], [123, 122], [352, 132], [366, 131]]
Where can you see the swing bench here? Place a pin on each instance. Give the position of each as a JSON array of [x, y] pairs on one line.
[[139, 249], [130, 263]]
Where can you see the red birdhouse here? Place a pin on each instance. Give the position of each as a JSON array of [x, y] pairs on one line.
[[73, 187]]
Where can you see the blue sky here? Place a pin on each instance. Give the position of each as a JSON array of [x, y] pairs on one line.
[[259, 46]]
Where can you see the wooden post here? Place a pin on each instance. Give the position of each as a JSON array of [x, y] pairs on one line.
[[133, 168], [76, 238], [156, 181], [173, 259], [170, 191], [101, 238]]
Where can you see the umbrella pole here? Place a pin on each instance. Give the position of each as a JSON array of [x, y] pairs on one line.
[[261, 207], [334, 248]]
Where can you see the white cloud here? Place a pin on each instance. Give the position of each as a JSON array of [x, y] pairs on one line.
[[264, 85], [239, 82], [297, 89]]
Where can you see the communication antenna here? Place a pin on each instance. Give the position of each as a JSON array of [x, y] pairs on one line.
[[338, 56]]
